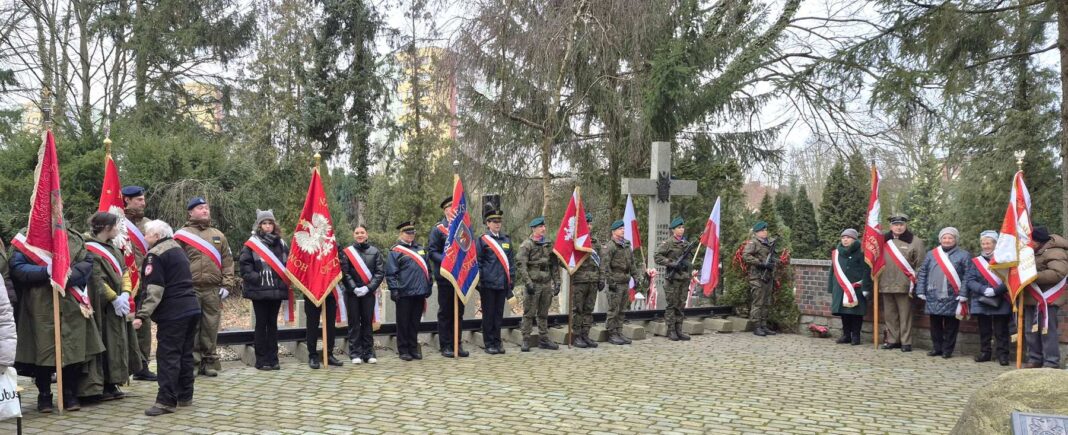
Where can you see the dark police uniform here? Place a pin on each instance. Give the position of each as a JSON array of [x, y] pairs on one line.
[[409, 286], [171, 302], [495, 283]]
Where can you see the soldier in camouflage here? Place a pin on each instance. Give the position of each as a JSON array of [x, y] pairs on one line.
[[673, 255], [585, 283], [759, 254], [620, 269], [536, 269]]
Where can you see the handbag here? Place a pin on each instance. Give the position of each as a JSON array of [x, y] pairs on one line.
[[990, 302], [9, 397]]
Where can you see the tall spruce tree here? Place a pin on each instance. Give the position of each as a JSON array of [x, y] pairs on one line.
[[805, 233], [769, 214], [784, 204], [922, 202], [838, 208]]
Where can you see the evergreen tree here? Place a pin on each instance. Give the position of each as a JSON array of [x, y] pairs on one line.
[[859, 177], [805, 234], [768, 214], [922, 202], [784, 204], [838, 209]]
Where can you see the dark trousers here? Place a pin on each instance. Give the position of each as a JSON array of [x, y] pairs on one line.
[[446, 299], [174, 360], [996, 327], [1041, 348], [312, 331], [944, 333], [360, 311], [72, 375], [492, 315], [266, 338], [851, 324], [409, 311]]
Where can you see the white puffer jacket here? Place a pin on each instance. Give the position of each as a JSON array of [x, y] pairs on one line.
[[7, 329]]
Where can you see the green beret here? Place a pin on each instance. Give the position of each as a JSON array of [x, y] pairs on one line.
[[589, 217], [617, 225], [760, 226], [540, 220], [677, 222]]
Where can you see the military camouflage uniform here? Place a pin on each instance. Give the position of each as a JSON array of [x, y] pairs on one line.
[[536, 268], [585, 283], [676, 281], [620, 267], [760, 256]]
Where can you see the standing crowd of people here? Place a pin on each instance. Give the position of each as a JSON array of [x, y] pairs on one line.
[[179, 279], [952, 285]]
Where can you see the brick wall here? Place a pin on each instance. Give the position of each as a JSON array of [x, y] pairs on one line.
[[810, 291]]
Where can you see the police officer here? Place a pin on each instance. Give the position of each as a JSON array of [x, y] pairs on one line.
[[495, 283], [409, 286], [212, 265], [673, 255], [620, 269], [759, 254], [586, 282], [134, 198], [446, 291], [171, 302]]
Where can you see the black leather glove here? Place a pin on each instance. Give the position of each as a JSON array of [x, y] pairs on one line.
[[529, 289]]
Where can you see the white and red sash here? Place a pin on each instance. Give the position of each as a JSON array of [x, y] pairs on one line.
[[137, 238], [992, 279], [501, 255], [902, 263], [849, 293], [1044, 299], [418, 259], [102, 251], [358, 264], [204, 246], [19, 242], [942, 260]]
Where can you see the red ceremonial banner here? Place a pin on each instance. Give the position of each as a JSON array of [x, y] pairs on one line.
[[313, 263]]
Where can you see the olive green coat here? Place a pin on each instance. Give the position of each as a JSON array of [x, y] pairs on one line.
[[620, 264], [668, 253], [120, 339], [36, 344]]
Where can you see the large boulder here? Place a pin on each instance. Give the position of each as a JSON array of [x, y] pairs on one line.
[[990, 409]]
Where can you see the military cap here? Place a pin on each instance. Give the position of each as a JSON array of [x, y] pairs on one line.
[[616, 225], [492, 214], [197, 200], [536, 222], [446, 202], [899, 218], [406, 226], [132, 191], [1040, 234], [677, 222], [760, 226]]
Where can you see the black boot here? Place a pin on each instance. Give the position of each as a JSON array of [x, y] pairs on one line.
[[616, 339], [332, 360], [759, 331], [547, 344], [844, 339], [982, 357], [625, 339], [682, 335], [524, 345], [672, 334], [578, 341], [313, 362], [144, 374], [44, 403], [855, 339], [589, 341]]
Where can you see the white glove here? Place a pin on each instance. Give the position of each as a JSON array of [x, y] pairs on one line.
[[361, 291], [866, 294], [639, 297], [989, 292], [121, 305], [922, 297], [962, 299], [223, 293]]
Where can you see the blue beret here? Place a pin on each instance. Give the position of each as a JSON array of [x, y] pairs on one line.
[[589, 217], [617, 225], [537, 222], [760, 226], [132, 191], [677, 222], [197, 200]]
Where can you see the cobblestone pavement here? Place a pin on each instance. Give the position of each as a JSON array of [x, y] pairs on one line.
[[729, 383]]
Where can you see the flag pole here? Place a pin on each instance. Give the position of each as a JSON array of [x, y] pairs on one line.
[[875, 323], [1019, 331], [455, 324], [570, 310], [46, 117], [322, 308]]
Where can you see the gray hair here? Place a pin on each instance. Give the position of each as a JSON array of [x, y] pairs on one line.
[[159, 228]]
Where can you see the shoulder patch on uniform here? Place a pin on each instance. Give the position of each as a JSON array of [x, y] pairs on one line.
[[422, 252], [216, 240], [148, 266], [506, 245]]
